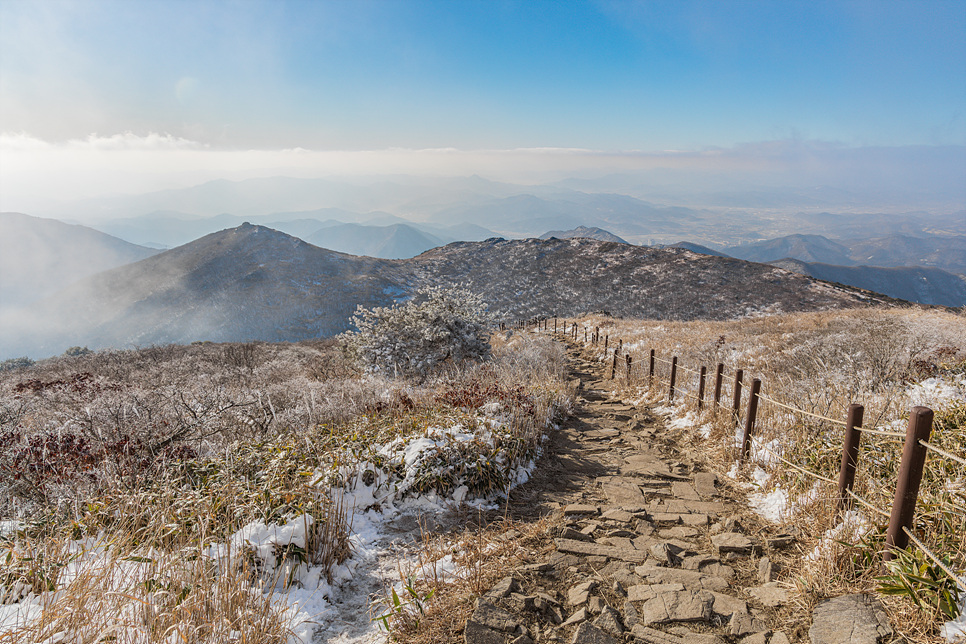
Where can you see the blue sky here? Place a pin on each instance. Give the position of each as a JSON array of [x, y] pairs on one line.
[[466, 74], [350, 75]]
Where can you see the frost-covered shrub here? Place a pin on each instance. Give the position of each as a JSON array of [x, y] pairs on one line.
[[436, 327], [16, 363]]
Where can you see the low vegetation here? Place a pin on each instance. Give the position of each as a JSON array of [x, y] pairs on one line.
[[172, 493]]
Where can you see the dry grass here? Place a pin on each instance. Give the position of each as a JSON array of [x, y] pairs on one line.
[[483, 553], [120, 591], [132, 472]]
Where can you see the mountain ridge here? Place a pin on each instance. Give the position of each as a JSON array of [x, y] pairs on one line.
[[255, 283]]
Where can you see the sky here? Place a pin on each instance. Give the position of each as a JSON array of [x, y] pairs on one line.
[[119, 96]]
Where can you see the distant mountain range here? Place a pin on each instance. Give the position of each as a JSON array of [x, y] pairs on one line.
[[397, 241], [585, 232], [947, 252], [638, 208], [40, 256], [913, 284], [252, 282], [377, 234]]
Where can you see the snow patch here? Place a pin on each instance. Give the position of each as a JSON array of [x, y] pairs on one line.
[[955, 630]]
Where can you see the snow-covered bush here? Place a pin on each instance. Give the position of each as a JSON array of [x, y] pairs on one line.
[[437, 326]]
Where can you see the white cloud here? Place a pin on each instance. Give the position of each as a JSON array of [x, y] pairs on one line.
[[33, 170], [131, 141]]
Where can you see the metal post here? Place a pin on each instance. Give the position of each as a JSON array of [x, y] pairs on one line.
[[718, 380], [750, 419], [555, 326], [650, 369], [606, 338], [704, 373], [628, 369], [736, 402], [910, 475], [613, 366], [674, 377], [850, 456]]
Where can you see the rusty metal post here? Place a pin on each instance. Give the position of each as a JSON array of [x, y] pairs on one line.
[[650, 369], [674, 377], [628, 369], [910, 475], [704, 373], [750, 419], [736, 402], [718, 380], [850, 456], [613, 366]]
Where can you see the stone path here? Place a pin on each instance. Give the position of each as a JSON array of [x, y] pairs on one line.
[[645, 548]]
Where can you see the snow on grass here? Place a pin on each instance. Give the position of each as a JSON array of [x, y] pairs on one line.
[[853, 526], [343, 612], [383, 508], [937, 393], [955, 630]]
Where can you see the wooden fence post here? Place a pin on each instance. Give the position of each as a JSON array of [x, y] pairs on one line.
[[910, 475], [628, 369], [555, 326], [650, 370], [613, 366], [750, 419], [718, 380], [606, 338], [850, 456], [736, 401], [620, 345], [674, 377], [701, 377]]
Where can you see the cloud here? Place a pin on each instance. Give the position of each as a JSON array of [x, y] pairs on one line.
[[12, 142], [33, 170]]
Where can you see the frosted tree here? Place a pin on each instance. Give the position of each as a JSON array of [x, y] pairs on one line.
[[436, 327]]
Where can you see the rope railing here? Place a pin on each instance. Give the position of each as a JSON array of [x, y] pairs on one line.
[[683, 368], [800, 411], [866, 504], [797, 467], [942, 452], [880, 432], [939, 562]]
